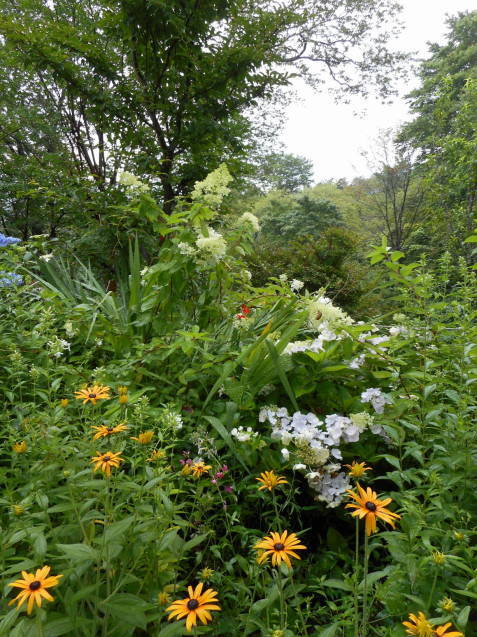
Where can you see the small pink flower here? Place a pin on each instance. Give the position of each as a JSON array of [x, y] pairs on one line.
[[225, 468], [219, 474], [229, 489], [214, 481]]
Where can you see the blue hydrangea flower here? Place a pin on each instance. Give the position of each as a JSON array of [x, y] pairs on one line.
[[9, 279], [6, 241]]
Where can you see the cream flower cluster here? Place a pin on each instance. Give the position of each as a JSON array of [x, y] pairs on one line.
[[213, 244], [249, 219], [132, 183], [322, 314], [213, 188]]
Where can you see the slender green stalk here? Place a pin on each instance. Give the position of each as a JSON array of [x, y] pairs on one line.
[[433, 588], [356, 580], [39, 624], [364, 631]]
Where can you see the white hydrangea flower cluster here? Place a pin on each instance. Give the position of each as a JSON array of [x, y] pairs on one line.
[[132, 183], [213, 245], [377, 399], [330, 485], [357, 362], [249, 219], [322, 314], [315, 345], [57, 346], [243, 435], [213, 188], [69, 329]]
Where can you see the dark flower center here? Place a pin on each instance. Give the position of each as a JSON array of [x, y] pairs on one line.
[[34, 586], [110, 429], [370, 506], [106, 459], [278, 546], [91, 395], [192, 604]]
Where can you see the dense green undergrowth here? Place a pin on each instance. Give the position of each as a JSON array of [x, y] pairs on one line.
[[209, 382]]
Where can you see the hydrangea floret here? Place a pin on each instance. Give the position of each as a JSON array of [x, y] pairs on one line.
[[211, 243], [212, 190], [249, 219]]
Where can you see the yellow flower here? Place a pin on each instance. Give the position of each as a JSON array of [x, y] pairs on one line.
[[441, 631], [357, 469], [459, 536], [447, 605], [20, 447], [186, 469], [206, 573], [143, 438], [419, 626], [438, 558], [102, 431], [157, 454], [107, 460], [279, 547], [369, 507], [270, 480], [123, 399], [122, 390], [18, 509], [198, 468], [163, 598], [92, 393], [64, 402], [34, 588], [197, 605]]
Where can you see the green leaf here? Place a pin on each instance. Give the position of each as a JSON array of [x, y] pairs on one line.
[[79, 552], [60, 626], [338, 583], [329, 631], [117, 529], [463, 617], [128, 608]]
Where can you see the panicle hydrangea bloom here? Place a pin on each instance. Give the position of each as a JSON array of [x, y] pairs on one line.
[[249, 219], [10, 279], [322, 314], [186, 249], [377, 399], [7, 241], [214, 244], [132, 183], [397, 330], [213, 188]]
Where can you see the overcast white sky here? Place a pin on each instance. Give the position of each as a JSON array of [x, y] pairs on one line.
[[332, 135]]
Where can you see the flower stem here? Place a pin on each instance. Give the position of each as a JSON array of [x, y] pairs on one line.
[[365, 587], [356, 580]]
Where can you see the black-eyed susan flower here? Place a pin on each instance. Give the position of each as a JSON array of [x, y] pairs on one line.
[[92, 393], [144, 437], [279, 547], [197, 606], [18, 509], [107, 460], [438, 558], [199, 468], [64, 402], [206, 573], [270, 480], [20, 447], [34, 588], [102, 431], [357, 469], [369, 507], [122, 390], [163, 598]]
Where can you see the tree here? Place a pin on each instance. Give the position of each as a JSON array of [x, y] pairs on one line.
[[167, 84], [396, 192], [286, 217], [454, 62], [283, 171]]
